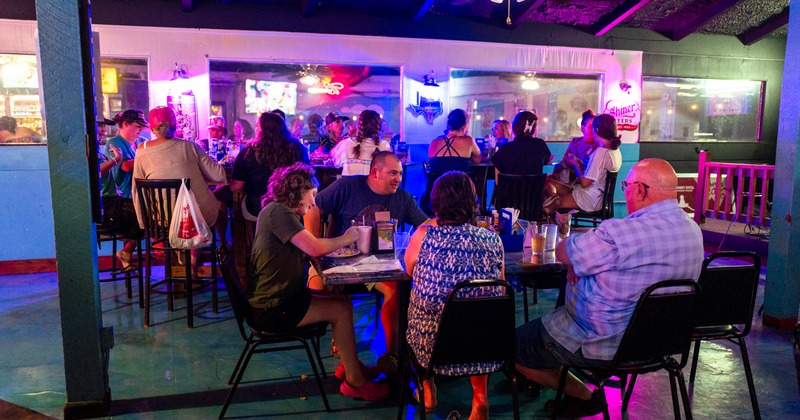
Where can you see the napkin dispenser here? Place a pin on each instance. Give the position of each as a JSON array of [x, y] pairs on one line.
[[512, 238], [383, 232]]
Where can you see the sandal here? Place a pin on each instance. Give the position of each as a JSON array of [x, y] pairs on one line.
[[551, 205], [371, 372], [370, 391], [430, 407], [125, 257], [388, 364]]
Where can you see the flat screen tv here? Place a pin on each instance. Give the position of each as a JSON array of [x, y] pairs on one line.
[[262, 96]]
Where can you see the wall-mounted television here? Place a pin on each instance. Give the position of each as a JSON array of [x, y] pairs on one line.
[[262, 96]]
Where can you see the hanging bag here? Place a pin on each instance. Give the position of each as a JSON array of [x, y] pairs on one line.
[[188, 229]]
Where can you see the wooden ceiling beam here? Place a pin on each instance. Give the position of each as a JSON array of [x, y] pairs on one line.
[[187, 5], [309, 7], [521, 14], [616, 16], [772, 24], [420, 9], [701, 19]]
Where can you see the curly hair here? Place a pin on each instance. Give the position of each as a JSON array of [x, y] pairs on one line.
[[453, 199], [273, 145], [369, 127], [605, 125], [524, 124], [586, 117], [288, 184]]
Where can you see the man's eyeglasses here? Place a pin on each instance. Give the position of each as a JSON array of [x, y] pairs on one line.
[[625, 184]]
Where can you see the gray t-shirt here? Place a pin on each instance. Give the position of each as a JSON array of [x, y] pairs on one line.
[[279, 268], [349, 195]]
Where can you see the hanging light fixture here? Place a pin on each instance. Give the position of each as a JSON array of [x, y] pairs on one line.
[[508, 18], [529, 82], [179, 73]]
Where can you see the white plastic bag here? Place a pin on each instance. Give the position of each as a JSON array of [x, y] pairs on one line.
[[188, 229]]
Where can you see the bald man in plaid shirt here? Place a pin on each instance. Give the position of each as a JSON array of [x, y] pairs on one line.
[[609, 268]]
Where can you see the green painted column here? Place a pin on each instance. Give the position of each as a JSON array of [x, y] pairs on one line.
[[782, 294], [59, 30]]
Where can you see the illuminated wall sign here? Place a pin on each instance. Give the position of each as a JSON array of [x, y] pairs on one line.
[[331, 88], [625, 109], [109, 78]]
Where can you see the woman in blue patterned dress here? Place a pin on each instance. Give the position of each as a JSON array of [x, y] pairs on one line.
[[439, 256]]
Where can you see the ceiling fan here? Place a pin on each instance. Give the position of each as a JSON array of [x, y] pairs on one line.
[[508, 18]]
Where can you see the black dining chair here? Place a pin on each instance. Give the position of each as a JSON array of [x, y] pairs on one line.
[[491, 319], [660, 327], [522, 192], [726, 303], [114, 273], [257, 341], [607, 209], [157, 200]]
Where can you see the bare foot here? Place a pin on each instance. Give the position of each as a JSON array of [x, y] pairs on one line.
[[480, 408]]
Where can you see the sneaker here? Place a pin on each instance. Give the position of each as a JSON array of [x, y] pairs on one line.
[[371, 372], [370, 391], [576, 407], [388, 364]]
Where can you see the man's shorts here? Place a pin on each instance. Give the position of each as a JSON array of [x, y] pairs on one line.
[[536, 349]]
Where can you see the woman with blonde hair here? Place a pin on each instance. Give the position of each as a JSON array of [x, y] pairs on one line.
[[354, 155]]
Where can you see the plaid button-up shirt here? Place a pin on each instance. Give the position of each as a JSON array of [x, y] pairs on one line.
[[616, 262]]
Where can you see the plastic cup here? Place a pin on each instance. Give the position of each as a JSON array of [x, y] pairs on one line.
[[484, 222], [400, 244], [364, 238], [537, 243], [550, 233]]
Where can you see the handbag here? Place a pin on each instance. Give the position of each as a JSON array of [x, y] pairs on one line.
[[188, 229]]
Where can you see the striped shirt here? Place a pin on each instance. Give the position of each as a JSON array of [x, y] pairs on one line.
[[616, 262]]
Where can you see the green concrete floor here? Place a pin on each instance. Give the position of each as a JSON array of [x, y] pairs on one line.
[[169, 371]]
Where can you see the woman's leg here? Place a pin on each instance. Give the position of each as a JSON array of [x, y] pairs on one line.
[[480, 402], [568, 202], [389, 314], [338, 310]]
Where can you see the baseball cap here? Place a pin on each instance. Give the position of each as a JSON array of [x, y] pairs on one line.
[[131, 116], [333, 116], [215, 121], [105, 121]]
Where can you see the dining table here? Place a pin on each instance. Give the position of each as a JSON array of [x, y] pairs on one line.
[[536, 271]]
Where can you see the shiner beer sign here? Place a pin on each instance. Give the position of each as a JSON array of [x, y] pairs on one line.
[[627, 112]]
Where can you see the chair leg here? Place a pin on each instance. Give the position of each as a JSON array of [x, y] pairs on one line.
[[560, 391], [535, 296], [189, 289], [139, 272], [695, 358], [672, 387], [602, 389], [514, 396], [315, 343], [316, 376], [404, 386], [239, 362], [149, 261], [628, 392], [749, 375], [684, 394], [237, 380]]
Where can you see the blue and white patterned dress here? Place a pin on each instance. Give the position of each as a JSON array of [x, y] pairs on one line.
[[450, 255]]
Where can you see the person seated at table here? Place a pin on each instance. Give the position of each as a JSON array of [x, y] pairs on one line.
[[242, 130], [277, 290], [455, 150], [587, 193], [439, 256], [581, 148], [501, 133], [167, 157], [272, 147], [526, 155], [354, 155], [348, 198], [334, 125], [657, 241]]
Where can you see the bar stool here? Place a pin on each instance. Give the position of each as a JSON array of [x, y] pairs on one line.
[[157, 199]]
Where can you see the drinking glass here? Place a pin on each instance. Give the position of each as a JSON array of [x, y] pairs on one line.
[[484, 222], [400, 244]]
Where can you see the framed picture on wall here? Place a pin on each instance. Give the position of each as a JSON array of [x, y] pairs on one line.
[[115, 105]]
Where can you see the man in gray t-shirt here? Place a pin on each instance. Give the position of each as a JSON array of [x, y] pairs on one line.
[[345, 199]]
